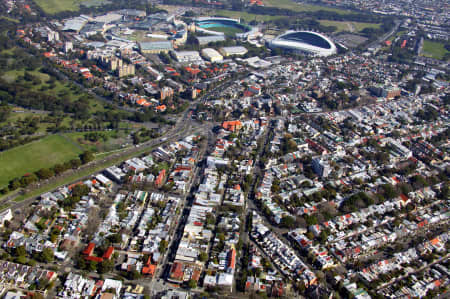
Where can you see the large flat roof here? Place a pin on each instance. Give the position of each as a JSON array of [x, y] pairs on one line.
[[234, 50], [158, 45], [210, 38], [74, 24]]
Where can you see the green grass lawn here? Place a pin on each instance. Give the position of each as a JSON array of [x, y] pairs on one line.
[[247, 17], [56, 6], [359, 26], [33, 156], [9, 19], [95, 3], [59, 87], [341, 26], [8, 51], [291, 5], [346, 26], [81, 174], [433, 49], [11, 76], [86, 172], [18, 116]]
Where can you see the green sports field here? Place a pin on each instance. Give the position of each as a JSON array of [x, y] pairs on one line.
[[359, 26], [33, 156], [434, 49], [247, 17], [56, 6], [291, 5], [227, 30]]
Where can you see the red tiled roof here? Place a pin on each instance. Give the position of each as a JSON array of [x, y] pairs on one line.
[[435, 241], [160, 177], [196, 275], [177, 271], [232, 260], [94, 259], [232, 125], [50, 275], [108, 253], [150, 269], [403, 197], [89, 249]]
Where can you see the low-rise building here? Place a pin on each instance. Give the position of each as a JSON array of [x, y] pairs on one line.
[[204, 40], [211, 55], [5, 216], [155, 47], [232, 51], [187, 56]]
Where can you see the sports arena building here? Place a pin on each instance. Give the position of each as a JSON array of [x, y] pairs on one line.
[[211, 25], [304, 42]]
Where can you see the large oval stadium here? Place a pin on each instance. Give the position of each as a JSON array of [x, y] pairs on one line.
[[304, 42], [223, 26]]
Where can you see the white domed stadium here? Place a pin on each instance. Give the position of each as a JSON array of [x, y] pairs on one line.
[[304, 42]]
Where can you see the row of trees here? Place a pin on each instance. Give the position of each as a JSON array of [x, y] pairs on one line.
[[144, 135], [23, 96], [47, 173], [16, 141], [150, 116], [95, 136], [21, 256]]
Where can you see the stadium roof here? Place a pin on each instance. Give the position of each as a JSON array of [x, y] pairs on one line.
[[305, 41]]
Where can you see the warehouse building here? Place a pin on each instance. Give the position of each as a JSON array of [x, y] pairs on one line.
[[211, 55], [155, 47], [75, 24], [204, 40], [187, 56], [232, 51]]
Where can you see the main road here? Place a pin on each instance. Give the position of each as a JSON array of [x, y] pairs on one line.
[[386, 35]]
